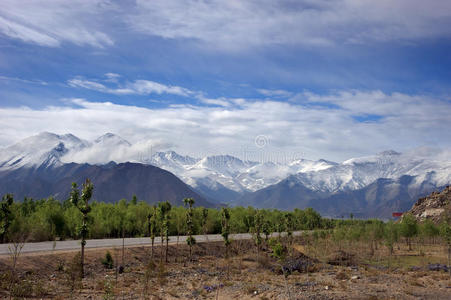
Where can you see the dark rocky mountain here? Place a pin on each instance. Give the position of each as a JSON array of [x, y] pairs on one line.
[[111, 183], [378, 199]]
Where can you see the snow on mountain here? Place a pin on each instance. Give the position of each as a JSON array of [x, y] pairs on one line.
[[172, 161], [106, 148], [225, 174], [110, 139], [42, 150], [357, 173]]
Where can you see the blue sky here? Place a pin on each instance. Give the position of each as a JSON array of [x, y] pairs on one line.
[[330, 79]]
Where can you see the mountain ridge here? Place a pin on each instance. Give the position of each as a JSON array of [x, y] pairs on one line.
[[228, 179]]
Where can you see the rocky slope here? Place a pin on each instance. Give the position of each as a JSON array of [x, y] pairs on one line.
[[434, 207]]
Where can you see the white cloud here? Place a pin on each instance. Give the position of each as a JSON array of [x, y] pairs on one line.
[[227, 25], [314, 131], [52, 22], [31, 81], [112, 77], [275, 93], [239, 24], [137, 87], [101, 153]]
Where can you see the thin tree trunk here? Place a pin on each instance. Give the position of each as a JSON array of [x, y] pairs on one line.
[[449, 259], [287, 289], [177, 248], [167, 248], [82, 258], [123, 248], [162, 248]]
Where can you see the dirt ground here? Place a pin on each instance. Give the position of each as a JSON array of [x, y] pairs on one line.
[[327, 272]]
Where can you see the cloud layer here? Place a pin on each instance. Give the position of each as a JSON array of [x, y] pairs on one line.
[[310, 125], [226, 24], [52, 22], [137, 87]]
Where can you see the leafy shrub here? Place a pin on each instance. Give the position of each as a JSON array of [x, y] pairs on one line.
[[108, 260]]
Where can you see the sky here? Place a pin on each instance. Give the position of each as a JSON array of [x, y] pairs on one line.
[[329, 79]]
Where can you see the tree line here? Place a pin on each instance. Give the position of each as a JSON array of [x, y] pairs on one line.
[[49, 219]]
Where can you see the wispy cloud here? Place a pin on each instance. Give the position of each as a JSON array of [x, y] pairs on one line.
[[227, 25], [50, 23], [316, 131], [137, 87], [31, 81], [275, 93], [240, 24]]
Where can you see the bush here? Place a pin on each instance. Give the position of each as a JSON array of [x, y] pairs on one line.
[[108, 260], [279, 251]]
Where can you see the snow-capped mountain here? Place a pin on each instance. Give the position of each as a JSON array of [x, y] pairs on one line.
[[213, 174], [43, 150], [112, 140], [357, 173], [225, 178]]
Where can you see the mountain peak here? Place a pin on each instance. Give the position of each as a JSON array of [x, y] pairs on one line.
[[111, 138], [389, 153], [44, 149]]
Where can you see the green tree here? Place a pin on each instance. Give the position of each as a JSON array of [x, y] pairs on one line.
[[134, 200], [312, 219], [279, 224], [257, 230], [204, 219], [5, 216], [82, 203], [266, 230], [391, 235], [164, 209], [152, 223], [375, 232], [409, 228], [225, 217], [429, 230], [289, 227], [189, 222]]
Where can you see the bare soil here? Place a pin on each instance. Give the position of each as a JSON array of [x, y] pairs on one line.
[[352, 273]]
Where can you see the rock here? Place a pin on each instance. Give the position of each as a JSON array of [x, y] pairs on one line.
[[326, 287], [355, 277], [301, 263], [433, 207], [438, 267], [341, 258]]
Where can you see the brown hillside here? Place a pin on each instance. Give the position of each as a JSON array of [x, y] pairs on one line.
[[434, 207]]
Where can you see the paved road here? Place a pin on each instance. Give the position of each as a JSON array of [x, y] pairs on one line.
[[111, 243]]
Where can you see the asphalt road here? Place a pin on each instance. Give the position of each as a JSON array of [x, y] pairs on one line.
[[6, 249]]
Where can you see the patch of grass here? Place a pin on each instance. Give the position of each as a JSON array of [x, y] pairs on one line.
[[22, 288], [39, 289], [342, 276]]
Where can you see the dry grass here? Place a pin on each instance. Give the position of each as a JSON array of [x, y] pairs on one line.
[[211, 276]]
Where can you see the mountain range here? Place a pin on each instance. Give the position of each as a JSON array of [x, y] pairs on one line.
[[371, 186]]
